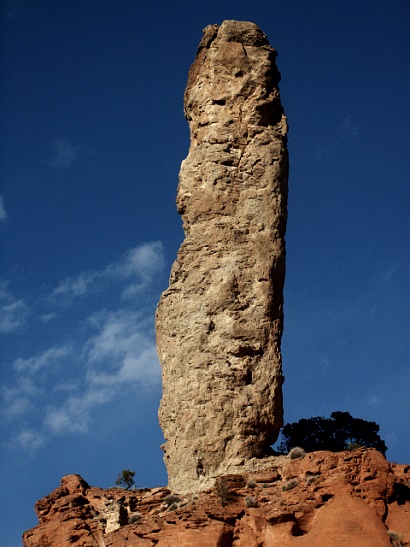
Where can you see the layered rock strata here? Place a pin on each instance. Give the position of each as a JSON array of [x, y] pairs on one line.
[[348, 498], [219, 324]]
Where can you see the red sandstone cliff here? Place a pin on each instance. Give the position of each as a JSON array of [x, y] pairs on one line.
[[349, 498]]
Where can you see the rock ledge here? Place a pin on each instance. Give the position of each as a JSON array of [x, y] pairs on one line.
[[347, 498]]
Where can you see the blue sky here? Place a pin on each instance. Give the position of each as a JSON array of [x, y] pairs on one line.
[[92, 136]]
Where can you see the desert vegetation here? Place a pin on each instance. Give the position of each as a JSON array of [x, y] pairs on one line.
[[338, 432]]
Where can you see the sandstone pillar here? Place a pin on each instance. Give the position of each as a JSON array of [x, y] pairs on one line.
[[219, 324]]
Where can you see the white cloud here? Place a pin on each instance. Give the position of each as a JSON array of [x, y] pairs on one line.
[[29, 439], [12, 316], [75, 414], [73, 287], [46, 317], [32, 376], [136, 268], [13, 311], [64, 153], [67, 387], [143, 261], [3, 213], [123, 351], [18, 400], [17, 406], [119, 357], [72, 417], [108, 354], [49, 358]]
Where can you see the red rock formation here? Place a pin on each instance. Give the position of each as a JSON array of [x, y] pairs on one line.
[[327, 499]]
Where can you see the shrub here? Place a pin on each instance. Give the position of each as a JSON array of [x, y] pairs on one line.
[[222, 491], [335, 433], [353, 446], [171, 498], [126, 479], [135, 517], [311, 479], [297, 452], [395, 538], [251, 501], [289, 485]]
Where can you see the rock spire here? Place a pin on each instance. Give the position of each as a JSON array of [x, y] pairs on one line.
[[219, 324]]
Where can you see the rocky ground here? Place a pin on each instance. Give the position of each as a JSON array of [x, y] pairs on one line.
[[329, 499]]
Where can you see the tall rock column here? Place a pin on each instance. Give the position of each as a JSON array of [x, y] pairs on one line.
[[219, 324]]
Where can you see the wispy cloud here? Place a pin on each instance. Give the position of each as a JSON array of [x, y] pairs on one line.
[[347, 131], [32, 376], [74, 415], [137, 267], [122, 351], [120, 356], [64, 153], [19, 399], [29, 439], [49, 358], [390, 272], [324, 363], [13, 311], [46, 317], [3, 213], [348, 128], [114, 360], [109, 353]]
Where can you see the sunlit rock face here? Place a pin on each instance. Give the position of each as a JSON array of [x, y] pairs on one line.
[[347, 498], [219, 324]]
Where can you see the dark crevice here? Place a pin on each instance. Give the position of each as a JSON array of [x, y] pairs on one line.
[[229, 161], [226, 540], [296, 531], [247, 377], [327, 497], [401, 494], [231, 520], [246, 351], [241, 514]]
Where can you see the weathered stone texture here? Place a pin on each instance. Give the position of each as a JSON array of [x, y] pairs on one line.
[[219, 324], [346, 498]]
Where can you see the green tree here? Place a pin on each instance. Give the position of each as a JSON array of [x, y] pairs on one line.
[[335, 433], [126, 479]]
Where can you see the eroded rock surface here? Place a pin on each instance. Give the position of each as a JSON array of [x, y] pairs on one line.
[[219, 324], [325, 499]]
